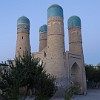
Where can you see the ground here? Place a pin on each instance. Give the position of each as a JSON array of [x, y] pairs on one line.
[[92, 94]]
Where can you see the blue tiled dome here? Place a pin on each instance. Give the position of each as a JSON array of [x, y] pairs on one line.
[[23, 20], [74, 21], [55, 10], [43, 28]]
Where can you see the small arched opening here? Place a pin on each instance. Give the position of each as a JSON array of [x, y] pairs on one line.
[[44, 54]]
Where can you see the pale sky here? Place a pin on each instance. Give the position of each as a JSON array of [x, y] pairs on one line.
[[36, 11]]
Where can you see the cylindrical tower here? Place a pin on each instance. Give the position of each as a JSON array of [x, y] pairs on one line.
[[55, 45], [43, 37], [75, 46], [75, 38], [23, 33]]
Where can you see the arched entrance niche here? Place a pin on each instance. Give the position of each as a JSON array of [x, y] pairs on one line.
[[75, 74]]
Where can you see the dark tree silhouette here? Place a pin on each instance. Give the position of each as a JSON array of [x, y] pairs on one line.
[[27, 74]]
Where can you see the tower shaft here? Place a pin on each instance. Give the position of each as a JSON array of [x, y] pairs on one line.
[[75, 40], [42, 41], [55, 64]]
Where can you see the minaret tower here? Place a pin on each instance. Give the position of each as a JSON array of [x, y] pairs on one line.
[[75, 38], [75, 47], [43, 37], [55, 64], [23, 33]]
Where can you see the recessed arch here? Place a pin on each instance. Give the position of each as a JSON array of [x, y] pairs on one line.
[[75, 74]]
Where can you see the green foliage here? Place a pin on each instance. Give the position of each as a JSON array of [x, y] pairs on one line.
[[29, 73], [67, 96], [41, 97], [92, 73], [9, 84], [71, 91]]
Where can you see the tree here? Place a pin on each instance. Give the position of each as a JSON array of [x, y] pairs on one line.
[[27, 73], [92, 75], [98, 64], [9, 84]]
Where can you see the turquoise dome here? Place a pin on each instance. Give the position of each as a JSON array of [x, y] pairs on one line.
[[23, 20], [55, 10], [43, 28], [74, 21]]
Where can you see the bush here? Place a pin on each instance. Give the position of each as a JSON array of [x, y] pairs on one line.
[[40, 97], [71, 91]]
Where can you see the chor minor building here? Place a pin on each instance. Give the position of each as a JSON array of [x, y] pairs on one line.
[[67, 66]]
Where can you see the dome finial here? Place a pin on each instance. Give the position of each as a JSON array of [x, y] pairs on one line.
[[43, 28], [23, 20], [74, 21], [55, 10]]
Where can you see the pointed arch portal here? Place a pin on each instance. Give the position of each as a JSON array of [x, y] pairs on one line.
[[75, 74]]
